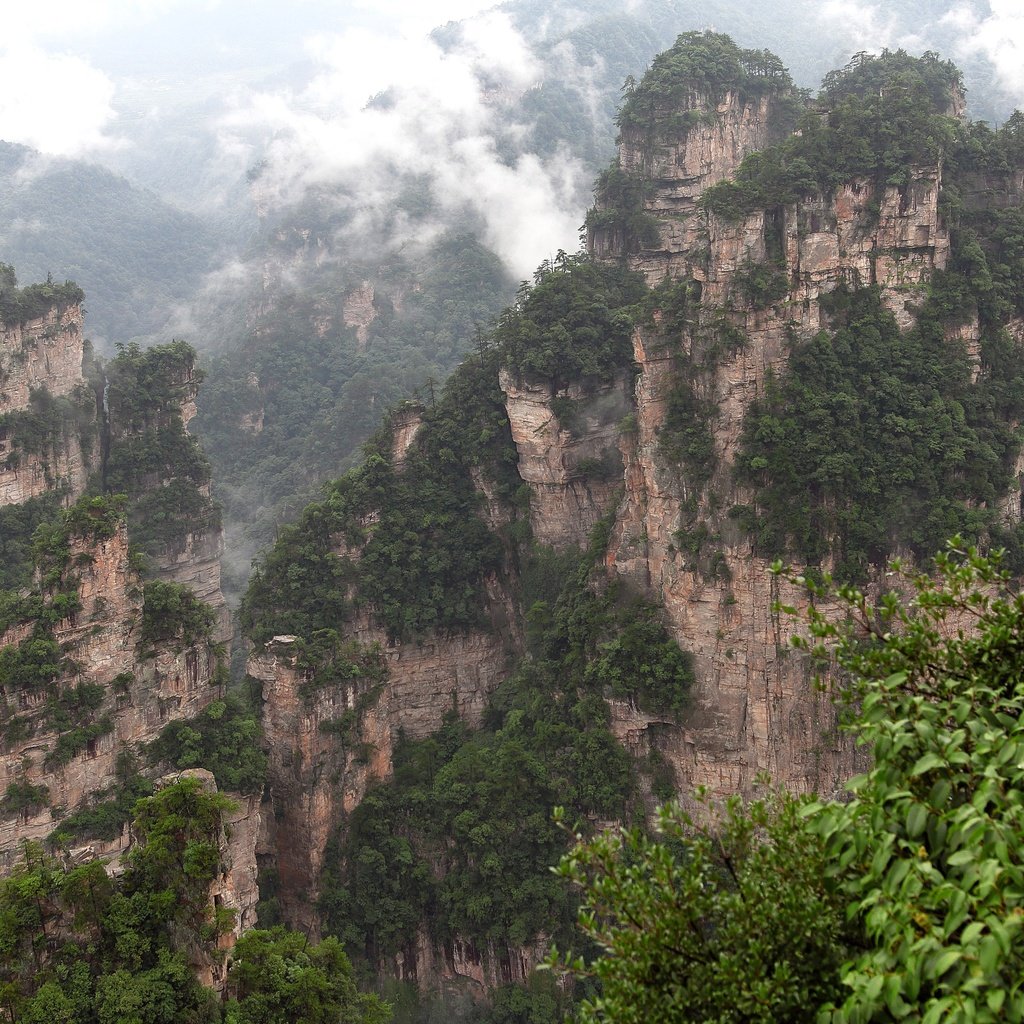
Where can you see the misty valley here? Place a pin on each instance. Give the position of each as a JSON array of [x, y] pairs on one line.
[[512, 514]]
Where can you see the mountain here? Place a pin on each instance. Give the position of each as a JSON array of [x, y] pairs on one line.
[[798, 335], [137, 257]]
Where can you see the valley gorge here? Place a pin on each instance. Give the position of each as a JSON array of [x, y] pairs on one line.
[[552, 582]]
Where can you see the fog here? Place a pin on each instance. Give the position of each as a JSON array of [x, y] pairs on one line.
[[183, 95], [352, 99]]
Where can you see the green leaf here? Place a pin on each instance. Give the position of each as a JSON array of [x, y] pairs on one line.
[[917, 818], [926, 763]]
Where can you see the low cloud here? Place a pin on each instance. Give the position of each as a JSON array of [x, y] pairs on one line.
[[861, 25], [56, 103], [380, 107], [998, 36]]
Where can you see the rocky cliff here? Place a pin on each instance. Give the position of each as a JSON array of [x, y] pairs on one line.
[[84, 685], [755, 706], [48, 411], [328, 742], [151, 399], [86, 679], [42, 352], [626, 490]]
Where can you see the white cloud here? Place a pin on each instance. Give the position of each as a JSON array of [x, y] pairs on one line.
[[864, 25], [419, 17], [860, 25], [66, 19], [999, 36], [435, 115], [56, 103]]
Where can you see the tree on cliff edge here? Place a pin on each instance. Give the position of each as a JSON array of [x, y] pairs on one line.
[[904, 903]]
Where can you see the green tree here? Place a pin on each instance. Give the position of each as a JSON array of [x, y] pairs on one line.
[[929, 852], [279, 977], [731, 923], [903, 902]]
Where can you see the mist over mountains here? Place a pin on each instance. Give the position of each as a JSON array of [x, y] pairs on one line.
[[510, 107], [333, 203]]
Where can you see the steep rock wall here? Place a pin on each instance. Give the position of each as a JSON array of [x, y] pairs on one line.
[[144, 689], [317, 774], [65, 466], [475, 970], [680, 166], [195, 562], [755, 707], [42, 353], [572, 468]]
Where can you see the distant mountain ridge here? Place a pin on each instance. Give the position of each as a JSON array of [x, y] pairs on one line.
[[136, 256]]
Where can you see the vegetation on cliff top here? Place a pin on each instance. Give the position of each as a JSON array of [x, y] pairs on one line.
[[423, 546], [679, 91], [878, 118], [19, 305], [702, 64], [573, 324]]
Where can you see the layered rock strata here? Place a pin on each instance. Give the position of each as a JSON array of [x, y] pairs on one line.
[[755, 707], [42, 359], [570, 461], [42, 353], [65, 465]]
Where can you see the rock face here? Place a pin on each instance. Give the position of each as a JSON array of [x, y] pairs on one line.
[[681, 166], [41, 360], [476, 970], [143, 688], [42, 353], [358, 311], [755, 707], [56, 753], [65, 465], [568, 453], [191, 558], [320, 767], [194, 562]]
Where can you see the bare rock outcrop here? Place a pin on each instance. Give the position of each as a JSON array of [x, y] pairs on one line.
[[568, 453], [477, 970], [358, 311], [194, 561], [65, 465], [43, 353]]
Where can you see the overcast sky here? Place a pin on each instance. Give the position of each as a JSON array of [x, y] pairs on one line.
[[68, 68]]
